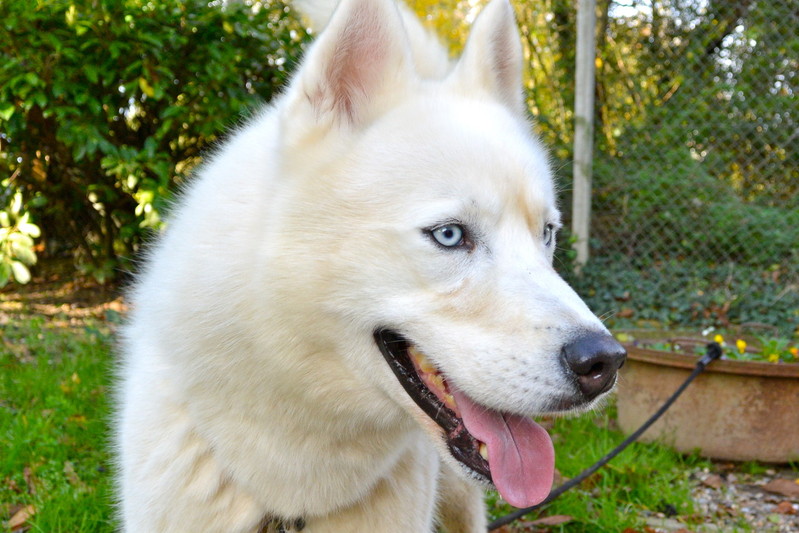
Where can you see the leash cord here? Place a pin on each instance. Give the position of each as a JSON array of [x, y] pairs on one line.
[[713, 352]]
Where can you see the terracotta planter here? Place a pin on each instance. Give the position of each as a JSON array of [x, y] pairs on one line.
[[735, 410]]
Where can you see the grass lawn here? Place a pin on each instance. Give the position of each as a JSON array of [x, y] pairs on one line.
[[55, 384], [54, 409]]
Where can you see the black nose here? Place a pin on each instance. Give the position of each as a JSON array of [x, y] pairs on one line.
[[594, 359]]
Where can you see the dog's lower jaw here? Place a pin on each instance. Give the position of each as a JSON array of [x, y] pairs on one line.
[[509, 450], [461, 444]]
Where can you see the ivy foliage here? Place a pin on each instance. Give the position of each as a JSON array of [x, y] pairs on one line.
[[16, 242], [106, 104]]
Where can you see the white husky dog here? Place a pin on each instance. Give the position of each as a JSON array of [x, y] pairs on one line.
[[362, 348]]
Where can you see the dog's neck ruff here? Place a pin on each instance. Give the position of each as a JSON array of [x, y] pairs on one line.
[[512, 451]]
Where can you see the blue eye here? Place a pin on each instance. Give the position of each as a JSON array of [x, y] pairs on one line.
[[549, 233], [448, 235]]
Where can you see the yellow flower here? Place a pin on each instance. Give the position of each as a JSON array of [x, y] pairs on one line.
[[719, 339], [773, 358], [794, 351], [741, 344]]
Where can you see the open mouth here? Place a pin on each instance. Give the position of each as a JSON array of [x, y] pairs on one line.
[[510, 451]]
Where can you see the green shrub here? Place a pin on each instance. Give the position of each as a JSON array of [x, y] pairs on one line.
[[16, 242], [104, 105], [673, 246], [689, 294], [680, 211]]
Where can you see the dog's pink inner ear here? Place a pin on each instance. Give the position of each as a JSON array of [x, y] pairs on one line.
[[364, 50], [492, 60], [355, 66]]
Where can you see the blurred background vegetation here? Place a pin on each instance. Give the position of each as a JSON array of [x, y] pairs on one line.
[[107, 105]]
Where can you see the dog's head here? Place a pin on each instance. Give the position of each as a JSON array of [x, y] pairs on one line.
[[441, 216]]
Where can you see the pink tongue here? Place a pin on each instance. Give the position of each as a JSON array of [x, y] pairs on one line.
[[520, 452]]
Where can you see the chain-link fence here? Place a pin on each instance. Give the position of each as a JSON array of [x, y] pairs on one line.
[[695, 217]]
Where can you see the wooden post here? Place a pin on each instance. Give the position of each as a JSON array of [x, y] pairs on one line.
[[583, 127]]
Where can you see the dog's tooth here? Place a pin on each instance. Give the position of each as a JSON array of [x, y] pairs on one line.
[[415, 354], [427, 367], [421, 360], [484, 451], [438, 381], [449, 401]]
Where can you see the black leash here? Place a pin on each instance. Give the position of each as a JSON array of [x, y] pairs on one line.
[[713, 352]]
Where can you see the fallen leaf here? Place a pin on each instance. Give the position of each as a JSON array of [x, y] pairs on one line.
[[72, 476], [21, 517], [30, 480], [783, 487], [713, 481], [514, 528], [12, 485], [559, 479], [78, 419], [554, 520], [785, 508]]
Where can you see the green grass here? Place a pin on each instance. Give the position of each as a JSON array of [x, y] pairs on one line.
[[54, 413], [54, 386]]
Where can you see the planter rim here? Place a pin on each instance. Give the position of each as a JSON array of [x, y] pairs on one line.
[[725, 366]]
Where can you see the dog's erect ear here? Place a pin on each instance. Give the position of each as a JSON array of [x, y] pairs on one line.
[[492, 60], [359, 61]]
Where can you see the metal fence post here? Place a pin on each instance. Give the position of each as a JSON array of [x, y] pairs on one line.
[[583, 127]]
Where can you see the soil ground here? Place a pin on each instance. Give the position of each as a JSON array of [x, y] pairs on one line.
[[57, 293]]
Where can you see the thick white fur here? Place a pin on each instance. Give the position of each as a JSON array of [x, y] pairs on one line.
[[251, 387]]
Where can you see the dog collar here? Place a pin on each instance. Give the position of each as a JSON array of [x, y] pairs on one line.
[[273, 524]]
